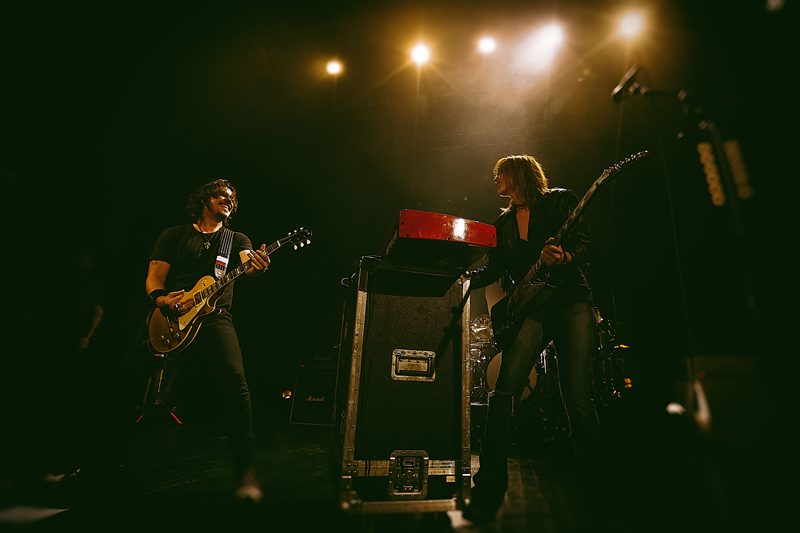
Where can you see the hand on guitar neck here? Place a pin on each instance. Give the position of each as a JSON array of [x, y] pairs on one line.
[[554, 255], [259, 260]]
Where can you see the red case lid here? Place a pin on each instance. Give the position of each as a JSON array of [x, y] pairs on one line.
[[415, 224]]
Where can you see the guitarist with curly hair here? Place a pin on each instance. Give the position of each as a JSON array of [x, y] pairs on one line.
[[182, 256]]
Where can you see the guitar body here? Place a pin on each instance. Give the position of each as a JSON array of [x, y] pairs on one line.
[[171, 335], [509, 313]]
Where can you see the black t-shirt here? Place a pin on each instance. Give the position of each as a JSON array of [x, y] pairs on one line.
[[183, 248]]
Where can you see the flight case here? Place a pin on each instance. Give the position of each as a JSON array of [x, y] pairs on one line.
[[402, 409]]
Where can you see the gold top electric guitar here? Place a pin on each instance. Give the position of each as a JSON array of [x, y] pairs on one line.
[[174, 334]]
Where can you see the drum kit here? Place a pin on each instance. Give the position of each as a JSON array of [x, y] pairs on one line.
[[486, 360], [539, 412], [609, 380]]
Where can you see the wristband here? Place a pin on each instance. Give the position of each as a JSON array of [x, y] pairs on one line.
[[156, 293]]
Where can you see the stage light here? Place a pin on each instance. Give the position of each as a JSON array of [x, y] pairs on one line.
[[711, 170], [740, 176], [333, 67], [460, 228], [775, 5], [540, 50], [552, 36], [486, 45], [630, 26], [420, 53], [674, 408]]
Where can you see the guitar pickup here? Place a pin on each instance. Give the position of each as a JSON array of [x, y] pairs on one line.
[[413, 365]]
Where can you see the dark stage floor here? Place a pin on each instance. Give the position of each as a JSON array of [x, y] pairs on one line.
[[663, 477]]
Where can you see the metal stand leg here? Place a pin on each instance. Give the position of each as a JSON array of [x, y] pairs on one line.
[[154, 389]]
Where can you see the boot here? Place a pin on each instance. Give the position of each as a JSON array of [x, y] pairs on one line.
[[491, 481]]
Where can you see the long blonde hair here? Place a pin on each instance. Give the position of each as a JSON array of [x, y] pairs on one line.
[[526, 174]]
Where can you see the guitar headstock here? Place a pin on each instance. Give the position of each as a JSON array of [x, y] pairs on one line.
[[628, 161], [298, 238]]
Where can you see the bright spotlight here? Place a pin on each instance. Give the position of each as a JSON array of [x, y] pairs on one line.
[[675, 408], [487, 45], [540, 50], [333, 67], [775, 5], [630, 26], [420, 53], [552, 36]]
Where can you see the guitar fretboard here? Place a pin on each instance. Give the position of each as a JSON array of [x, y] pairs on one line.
[[563, 231], [235, 273]]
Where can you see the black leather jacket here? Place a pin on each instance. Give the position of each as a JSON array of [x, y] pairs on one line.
[[513, 257]]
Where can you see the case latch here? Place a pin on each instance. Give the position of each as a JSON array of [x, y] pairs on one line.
[[408, 475]]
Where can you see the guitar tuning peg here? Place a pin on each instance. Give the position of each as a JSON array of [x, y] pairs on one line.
[[302, 244], [308, 241], [294, 246]]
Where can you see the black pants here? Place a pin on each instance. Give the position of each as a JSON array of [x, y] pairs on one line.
[[216, 346], [572, 330]]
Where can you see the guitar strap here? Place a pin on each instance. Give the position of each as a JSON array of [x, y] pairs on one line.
[[224, 254]]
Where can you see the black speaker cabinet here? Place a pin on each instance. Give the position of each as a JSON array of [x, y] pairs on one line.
[[402, 419]]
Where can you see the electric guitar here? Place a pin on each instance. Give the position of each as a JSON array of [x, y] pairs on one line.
[[534, 288], [174, 334]]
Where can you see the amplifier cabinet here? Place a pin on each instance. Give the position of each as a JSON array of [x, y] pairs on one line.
[[402, 410], [312, 401]]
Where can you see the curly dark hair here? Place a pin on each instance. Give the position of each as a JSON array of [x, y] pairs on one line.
[[199, 199], [527, 175]]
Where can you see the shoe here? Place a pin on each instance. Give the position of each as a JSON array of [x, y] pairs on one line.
[[250, 488], [479, 514], [65, 474]]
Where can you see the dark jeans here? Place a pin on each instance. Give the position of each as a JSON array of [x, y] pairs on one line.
[[572, 330], [218, 346]]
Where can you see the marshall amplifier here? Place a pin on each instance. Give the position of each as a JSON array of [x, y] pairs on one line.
[[312, 401], [402, 416]]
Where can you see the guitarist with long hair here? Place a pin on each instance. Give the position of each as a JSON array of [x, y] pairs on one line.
[[524, 235], [182, 256]]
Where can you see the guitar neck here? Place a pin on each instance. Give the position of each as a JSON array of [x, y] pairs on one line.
[[564, 229], [607, 174], [233, 274], [575, 214]]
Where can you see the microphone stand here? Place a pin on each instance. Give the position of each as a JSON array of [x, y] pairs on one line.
[[637, 88], [706, 122], [692, 108]]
